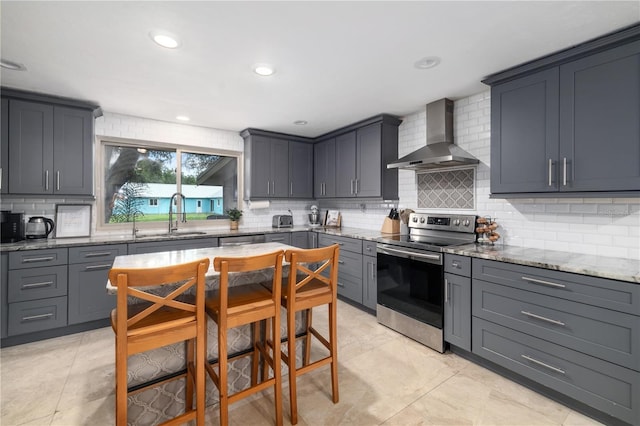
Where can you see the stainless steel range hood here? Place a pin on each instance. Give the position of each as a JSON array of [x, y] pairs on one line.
[[440, 151]]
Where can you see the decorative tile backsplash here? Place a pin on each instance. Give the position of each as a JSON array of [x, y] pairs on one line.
[[453, 189]]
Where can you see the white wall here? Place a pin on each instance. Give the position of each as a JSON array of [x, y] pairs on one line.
[[603, 226]]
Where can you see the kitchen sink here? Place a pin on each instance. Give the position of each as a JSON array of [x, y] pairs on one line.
[[172, 234]]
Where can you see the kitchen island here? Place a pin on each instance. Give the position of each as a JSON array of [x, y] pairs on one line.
[[164, 401]]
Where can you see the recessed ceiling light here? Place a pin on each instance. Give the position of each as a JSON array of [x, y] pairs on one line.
[[300, 122], [427, 62], [264, 70], [10, 65], [182, 118], [165, 39]]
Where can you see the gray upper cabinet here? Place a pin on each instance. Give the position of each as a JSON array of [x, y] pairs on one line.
[[300, 170], [569, 122], [50, 145], [277, 166], [346, 157], [324, 169], [600, 111], [4, 147], [368, 161]]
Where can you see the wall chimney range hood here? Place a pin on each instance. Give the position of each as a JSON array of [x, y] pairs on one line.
[[440, 151]]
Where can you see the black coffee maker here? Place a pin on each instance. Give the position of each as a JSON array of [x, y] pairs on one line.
[[11, 227]]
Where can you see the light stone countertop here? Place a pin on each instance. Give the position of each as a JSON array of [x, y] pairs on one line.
[[584, 264]]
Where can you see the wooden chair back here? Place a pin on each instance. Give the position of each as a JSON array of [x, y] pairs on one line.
[[316, 266]]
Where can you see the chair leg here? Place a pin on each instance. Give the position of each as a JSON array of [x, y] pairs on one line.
[[222, 374], [255, 359], [307, 339], [291, 354], [121, 381], [200, 360], [277, 365], [333, 335], [189, 356], [267, 337]]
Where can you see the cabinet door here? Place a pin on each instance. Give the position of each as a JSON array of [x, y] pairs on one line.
[[30, 147], [369, 283], [457, 311], [300, 170], [346, 164], [313, 239], [600, 110], [524, 134], [4, 147], [325, 169], [4, 258], [73, 151], [88, 299], [369, 161], [279, 168], [300, 239], [278, 237], [260, 168]]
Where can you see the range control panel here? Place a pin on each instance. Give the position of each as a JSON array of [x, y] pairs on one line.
[[455, 223]]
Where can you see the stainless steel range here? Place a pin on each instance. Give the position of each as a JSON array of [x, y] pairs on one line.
[[410, 276]]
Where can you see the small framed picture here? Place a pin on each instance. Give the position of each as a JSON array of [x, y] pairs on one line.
[[332, 219], [73, 220]]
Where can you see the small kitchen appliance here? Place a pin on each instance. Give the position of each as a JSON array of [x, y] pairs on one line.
[[411, 289], [12, 227], [39, 227], [282, 221], [314, 216]]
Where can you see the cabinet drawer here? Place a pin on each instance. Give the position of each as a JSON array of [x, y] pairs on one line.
[[104, 253], [369, 248], [604, 386], [350, 264], [350, 288], [37, 258], [36, 315], [278, 237], [617, 295], [37, 283], [346, 244], [456, 264], [177, 244], [606, 334]]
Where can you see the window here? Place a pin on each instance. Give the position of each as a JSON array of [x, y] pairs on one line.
[[143, 181]]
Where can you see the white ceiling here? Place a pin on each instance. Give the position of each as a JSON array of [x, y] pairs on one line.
[[336, 62]]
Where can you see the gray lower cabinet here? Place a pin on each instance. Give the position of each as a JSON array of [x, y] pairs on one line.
[[300, 239], [4, 147], [4, 306], [89, 268], [279, 237], [312, 239], [177, 244], [36, 290], [369, 285], [576, 334], [570, 127], [350, 270], [457, 301]]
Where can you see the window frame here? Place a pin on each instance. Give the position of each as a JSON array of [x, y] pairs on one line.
[[99, 216]]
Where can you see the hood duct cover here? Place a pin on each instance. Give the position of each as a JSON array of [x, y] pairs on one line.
[[440, 151]]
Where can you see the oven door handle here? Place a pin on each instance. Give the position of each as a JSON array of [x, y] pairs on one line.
[[424, 257]]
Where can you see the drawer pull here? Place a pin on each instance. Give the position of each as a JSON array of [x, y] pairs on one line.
[[341, 262], [98, 254], [552, 321], [89, 268], [37, 285], [37, 259], [549, 283], [37, 317], [340, 284], [544, 364], [446, 290], [455, 264], [275, 240], [338, 243]]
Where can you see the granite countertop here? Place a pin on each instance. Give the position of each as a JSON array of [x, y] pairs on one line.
[[151, 236], [585, 264]]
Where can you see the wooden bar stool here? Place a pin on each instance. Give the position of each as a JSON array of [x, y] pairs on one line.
[[160, 321], [307, 287], [246, 304]]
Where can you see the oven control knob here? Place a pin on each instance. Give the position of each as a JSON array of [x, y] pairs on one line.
[[456, 222], [415, 219], [422, 220], [467, 222]]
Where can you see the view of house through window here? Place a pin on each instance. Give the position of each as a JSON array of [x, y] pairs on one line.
[[143, 182]]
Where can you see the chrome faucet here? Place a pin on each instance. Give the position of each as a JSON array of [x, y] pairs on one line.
[[177, 194]]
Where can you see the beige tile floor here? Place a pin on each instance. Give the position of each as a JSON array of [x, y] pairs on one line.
[[385, 379]]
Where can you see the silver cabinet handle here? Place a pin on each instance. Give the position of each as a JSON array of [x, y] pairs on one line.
[[541, 318], [324, 188], [275, 240], [98, 254], [291, 187], [273, 187], [351, 189], [46, 180], [92, 267], [37, 259], [341, 262], [268, 187], [550, 166], [0, 177], [37, 285], [544, 364], [455, 264], [58, 180], [37, 317], [338, 243], [340, 284], [446, 290], [357, 186], [564, 171], [547, 283]]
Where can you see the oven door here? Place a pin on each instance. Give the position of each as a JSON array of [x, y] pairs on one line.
[[411, 282]]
